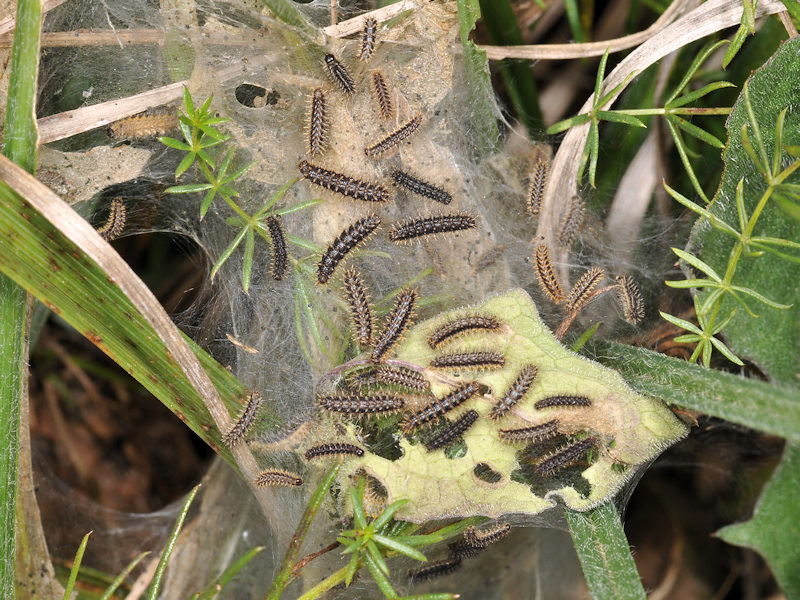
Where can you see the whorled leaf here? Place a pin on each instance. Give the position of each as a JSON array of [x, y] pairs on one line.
[[631, 429]]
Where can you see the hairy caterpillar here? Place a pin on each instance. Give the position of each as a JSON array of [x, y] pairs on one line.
[[414, 228], [435, 568], [531, 435], [451, 433], [579, 295], [396, 324], [368, 39], [538, 181], [566, 455], [279, 256], [548, 280], [347, 240], [562, 401], [317, 123], [362, 405], [339, 75], [244, 421], [143, 126], [461, 325], [571, 223], [460, 549], [630, 298], [402, 377], [436, 409], [469, 361], [382, 95], [515, 393], [115, 223], [360, 308], [482, 539], [277, 477], [333, 448], [394, 138], [343, 184], [420, 187]]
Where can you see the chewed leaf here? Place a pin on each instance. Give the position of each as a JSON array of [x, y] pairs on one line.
[[600, 441]]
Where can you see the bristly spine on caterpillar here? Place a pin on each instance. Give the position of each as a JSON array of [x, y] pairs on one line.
[[368, 39], [382, 95], [516, 392], [278, 478], [630, 298], [481, 539], [362, 405], [439, 407], [434, 569], [421, 187], [360, 307], [461, 325], [333, 448], [244, 421], [343, 184], [115, 224], [548, 280], [452, 432], [279, 255], [351, 237], [564, 456], [469, 361], [396, 324], [393, 139], [562, 401], [531, 435], [317, 123], [580, 294], [339, 74], [538, 181], [403, 231], [571, 223]]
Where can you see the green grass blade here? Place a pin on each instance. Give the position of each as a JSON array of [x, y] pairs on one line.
[[76, 565], [50, 265], [770, 408], [109, 593], [152, 593], [213, 590], [604, 553], [314, 504], [20, 146]]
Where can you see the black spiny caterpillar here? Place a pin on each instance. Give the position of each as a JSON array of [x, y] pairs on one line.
[[562, 401], [360, 307], [339, 75], [469, 361], [382, 95], [452, 432], [279, 255], [396, 324], [515, 393], [394, 138], [362, 405], [343, 184], [531, 435], [368, 38], [565, 456], [402, 377], [317, 123], [333, 448], [435, 568], [548, 280], [115, 223], [244, 421], [415, 228], [277, 477], [438, 408], [344, 243], [481, 539], [421, 187], [461, 325]]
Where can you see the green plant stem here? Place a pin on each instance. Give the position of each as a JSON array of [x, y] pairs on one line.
[[674, 111], [285, 570], [604, 553], [152, 593], [21, 139]]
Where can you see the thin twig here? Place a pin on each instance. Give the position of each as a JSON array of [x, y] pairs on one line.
[[309, 557]]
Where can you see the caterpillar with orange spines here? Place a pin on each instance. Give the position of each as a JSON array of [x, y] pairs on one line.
[[402, 377], [441, 406], [436, 568], [516, 392], [339, 74], [143, 126], [531, 435], [421, 187], [278, 478], [334, 448], [279, 256], [483, 538], [317, 123], [115, 224], [351, 237], [396, 324], [343, 184], [403, 231], [630, 298], [244, 421], [382, 95], [360, 307], [368, 39], [358, 404], [548, 280], [565, 401], [564, 456], [469, 361], [461, 325], [452, 432], [393, 139], [580, 294]]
